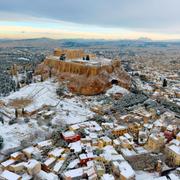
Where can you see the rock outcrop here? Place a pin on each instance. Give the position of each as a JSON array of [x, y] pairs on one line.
[[85, 77], [92, 85]]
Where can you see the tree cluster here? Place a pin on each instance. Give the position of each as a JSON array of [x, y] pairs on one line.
[[1, 141]]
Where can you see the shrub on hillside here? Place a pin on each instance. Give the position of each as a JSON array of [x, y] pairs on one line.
[[1, 141]]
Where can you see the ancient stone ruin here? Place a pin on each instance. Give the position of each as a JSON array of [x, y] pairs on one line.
[[84, 73]]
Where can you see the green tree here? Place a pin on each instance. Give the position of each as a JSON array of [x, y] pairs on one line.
[[164, 83], [87, 58], [1, 141]]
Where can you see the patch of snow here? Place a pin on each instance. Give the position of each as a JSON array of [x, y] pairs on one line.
[[42, 175], [73, 164], [74, 173], [9, 175], [42, 93], [67, 111], [58, 166], [107, 177], [117, 89], [126, 170], [142, 175], [76, 146], [15, 133]]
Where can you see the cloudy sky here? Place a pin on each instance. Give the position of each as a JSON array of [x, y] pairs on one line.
[[105, 19]]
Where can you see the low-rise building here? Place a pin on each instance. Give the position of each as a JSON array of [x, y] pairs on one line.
[[126, 141], [7, 163], [17, 156], [33, 167], [173, 153], [74, 174], [7, 175], [123, 170], [107, 177], [17, 168], [56, 153], [156, 142], [100, 169], [70, 136], [178, 136], [119, 130], [106, 140]]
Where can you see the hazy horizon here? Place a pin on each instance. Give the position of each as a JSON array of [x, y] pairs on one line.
[[90, 19]]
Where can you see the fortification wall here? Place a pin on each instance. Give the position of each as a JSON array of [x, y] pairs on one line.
[[77, 68]]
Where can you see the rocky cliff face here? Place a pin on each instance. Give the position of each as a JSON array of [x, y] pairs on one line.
[[86, 79], [91, 85]]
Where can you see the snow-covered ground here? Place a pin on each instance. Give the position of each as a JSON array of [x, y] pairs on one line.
[[42, 93], [117, 89], [142, 175], [15, 133], [70, 111], [66, 111]]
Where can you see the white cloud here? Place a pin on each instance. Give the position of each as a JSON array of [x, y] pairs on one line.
[[159, 17]]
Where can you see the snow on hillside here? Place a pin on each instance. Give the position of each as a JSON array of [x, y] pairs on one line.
[[42, 93], [70, 111], [66, 111], [117, 89], [142, 175], [14, 134]]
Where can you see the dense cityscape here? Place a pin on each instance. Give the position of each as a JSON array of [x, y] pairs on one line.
[[89, 90], [89, 110]]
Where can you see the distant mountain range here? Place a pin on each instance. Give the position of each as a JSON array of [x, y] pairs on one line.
[[145, 39], [82, 43]]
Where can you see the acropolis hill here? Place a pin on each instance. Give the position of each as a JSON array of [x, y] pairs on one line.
[[86, 74]]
